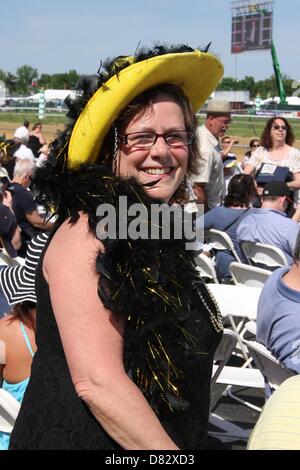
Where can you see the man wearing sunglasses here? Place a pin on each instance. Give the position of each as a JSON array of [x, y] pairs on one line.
[[208, 183]]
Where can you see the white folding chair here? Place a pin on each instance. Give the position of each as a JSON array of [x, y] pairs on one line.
[[223, 374], [206, 268], [263, 255], [9, 409], [251, 276], [221, 241], [273, 370], [236, 302], [6, 260], [223, 353]]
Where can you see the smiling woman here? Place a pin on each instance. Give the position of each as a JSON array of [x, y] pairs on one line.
[[126, 329], [276, 150]]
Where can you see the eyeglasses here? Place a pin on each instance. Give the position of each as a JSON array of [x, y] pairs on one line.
[[146, 140], [254, 145], [226, 142], [277, 127]]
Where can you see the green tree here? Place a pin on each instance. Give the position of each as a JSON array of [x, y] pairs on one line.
[[45, 81], [65, 80], [25, 75], [3, 76], [11, 83]]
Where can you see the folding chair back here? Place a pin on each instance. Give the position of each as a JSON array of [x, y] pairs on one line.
[[263, 255], [221, 241], [9, 409], [6, 260], [206, 268], [251, 276], [273, 370], [223, 353]]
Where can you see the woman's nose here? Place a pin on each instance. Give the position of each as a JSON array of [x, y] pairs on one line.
[[160, 147]]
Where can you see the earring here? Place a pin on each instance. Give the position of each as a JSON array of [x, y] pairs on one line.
[[116, 146]]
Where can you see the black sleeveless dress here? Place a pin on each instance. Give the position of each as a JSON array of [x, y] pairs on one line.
[[53, 417]]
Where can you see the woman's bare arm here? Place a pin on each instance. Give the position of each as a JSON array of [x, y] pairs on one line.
[[93, 343], [249, 169]]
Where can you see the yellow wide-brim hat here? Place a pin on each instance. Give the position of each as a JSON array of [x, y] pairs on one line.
[[197, 73]]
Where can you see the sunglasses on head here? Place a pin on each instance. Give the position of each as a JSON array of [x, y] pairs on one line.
[[277, 127]]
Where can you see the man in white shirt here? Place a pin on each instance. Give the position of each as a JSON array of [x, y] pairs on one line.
[[22, 133], [208, 183]]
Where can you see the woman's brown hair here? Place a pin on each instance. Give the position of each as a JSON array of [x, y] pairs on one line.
[[266, 139], [24, 312]]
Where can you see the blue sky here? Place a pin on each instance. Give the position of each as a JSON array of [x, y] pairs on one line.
[[58, 35]]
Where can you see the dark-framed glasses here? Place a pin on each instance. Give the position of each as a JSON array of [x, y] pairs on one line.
[[146, 140], [255, 145], [277, 127]]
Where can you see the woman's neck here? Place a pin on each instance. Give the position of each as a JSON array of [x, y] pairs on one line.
[[278, 146]]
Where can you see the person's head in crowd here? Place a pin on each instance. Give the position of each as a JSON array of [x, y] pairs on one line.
[[21, 133], [23, 171], [225, 141], [25, 313], [117, 139], [241, 191], [253, 145], [276, 195], [218, 117], [277, 130], [37, 127], [140, 114]]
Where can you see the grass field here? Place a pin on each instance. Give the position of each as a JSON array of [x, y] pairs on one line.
[[242, 127]]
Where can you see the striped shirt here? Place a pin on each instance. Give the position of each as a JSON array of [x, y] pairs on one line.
[[18, 282]]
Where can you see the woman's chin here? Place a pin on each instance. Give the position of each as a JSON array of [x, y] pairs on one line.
[[161, 194]]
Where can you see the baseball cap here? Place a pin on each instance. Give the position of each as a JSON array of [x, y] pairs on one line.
[[276, 188]]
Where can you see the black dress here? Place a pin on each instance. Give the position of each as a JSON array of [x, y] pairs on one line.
[[52, 416], [34, 145], [186, 323]]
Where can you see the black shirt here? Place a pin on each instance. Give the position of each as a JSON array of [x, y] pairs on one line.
[[8, 225], [23, 203]]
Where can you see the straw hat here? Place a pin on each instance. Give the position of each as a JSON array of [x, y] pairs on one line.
[[196, 72]]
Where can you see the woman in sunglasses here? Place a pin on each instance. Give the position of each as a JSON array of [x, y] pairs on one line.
[[276, 150]]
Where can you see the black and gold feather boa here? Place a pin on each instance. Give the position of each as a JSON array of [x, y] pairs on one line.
[[172, 324]]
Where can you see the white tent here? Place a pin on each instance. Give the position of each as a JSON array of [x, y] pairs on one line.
[[51, 95], [293, 100]]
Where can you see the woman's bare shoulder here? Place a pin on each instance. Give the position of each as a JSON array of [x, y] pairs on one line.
[[70, 236], [72, 243], [7, 326]]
